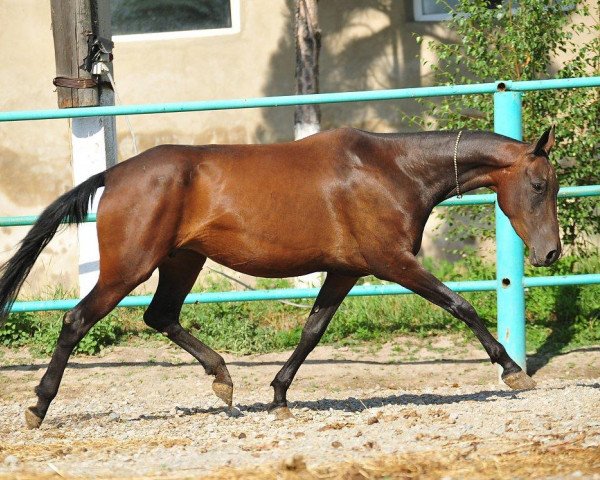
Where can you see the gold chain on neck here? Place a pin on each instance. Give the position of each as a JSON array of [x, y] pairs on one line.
[[458, 194]]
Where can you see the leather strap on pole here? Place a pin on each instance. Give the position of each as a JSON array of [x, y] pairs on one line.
[[79, 83]]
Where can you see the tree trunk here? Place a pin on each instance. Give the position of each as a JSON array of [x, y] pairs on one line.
[[307, 118]]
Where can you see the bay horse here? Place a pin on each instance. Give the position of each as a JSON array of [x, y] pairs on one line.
[[346, 202]]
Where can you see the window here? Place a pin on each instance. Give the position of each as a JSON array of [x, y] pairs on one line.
[[436, 10], [432, 10], [142, 20]]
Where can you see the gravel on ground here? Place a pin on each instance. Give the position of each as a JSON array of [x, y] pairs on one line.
[[410, 409]]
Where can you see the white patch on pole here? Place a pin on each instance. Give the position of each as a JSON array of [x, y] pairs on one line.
[[302, 130], [310, 280], [89, 158]]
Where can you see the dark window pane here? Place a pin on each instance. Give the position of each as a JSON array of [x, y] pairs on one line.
[[432, 7], [153, 16]]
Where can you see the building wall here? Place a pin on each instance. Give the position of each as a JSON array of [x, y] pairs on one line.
[[366, 45], [35, 162]]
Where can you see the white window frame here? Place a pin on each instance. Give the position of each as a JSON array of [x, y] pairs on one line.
[[234, 6], [427, 17]]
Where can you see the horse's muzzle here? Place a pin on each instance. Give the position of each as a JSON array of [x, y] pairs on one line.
[[547, 260]]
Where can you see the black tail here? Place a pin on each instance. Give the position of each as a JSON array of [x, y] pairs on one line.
[[70, 208]]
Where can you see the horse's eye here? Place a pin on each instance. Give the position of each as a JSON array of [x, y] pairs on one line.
[[538, 187]]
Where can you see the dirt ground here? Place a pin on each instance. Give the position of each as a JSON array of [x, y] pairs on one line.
[[408, 409]]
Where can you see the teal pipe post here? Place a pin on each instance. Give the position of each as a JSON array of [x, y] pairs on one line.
[[509, 247]]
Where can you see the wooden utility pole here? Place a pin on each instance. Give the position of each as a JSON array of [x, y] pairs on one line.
[[82, 33], [307, 118]]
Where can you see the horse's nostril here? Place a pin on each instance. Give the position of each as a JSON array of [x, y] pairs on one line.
[[551, 256]]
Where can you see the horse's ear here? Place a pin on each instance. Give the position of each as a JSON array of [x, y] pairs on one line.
[[545, 143]]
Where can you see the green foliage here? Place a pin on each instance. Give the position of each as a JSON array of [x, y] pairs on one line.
[[506, 43], [43, 341], [558, 317], [40, 332], [104, 333], [236, 327], [248, 327], [17, 330]]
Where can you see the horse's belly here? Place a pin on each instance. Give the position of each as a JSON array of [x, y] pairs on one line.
[[276, 257], [267, 259]]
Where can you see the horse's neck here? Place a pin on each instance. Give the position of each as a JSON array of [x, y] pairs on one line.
[[479, 162], [426, 161]]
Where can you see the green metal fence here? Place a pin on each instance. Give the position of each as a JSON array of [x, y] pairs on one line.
[[510, 282]]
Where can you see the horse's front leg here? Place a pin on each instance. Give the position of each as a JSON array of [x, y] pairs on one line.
[[407, 271]]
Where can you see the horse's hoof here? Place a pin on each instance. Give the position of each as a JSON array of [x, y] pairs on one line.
[[224, 392], [31, 418], [282, 413], [519, 381]]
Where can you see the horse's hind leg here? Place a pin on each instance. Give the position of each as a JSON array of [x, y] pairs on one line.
[[177, 275], [332, 293], [76, 323]]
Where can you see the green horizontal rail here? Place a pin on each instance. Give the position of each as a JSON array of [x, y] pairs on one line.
[[251, 295], [280, 101], [480, 199], [291, 100], [562, 280], [302, 293]]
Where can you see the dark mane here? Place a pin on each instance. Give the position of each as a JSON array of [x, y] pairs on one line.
[[477, 135]]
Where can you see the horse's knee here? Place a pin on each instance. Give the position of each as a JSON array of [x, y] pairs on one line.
[[151, 319]]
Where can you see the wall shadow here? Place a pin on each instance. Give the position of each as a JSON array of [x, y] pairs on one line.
[[366, 45]]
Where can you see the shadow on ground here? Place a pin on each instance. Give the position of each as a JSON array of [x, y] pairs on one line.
[[535, 362], [350, 404]]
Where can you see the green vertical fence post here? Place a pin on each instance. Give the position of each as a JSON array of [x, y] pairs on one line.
[[509, 247]]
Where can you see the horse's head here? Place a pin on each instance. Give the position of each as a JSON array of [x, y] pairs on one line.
[[527, 192]]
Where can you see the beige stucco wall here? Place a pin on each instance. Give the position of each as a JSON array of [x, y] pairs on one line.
[[34, 156], [364, 48]]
